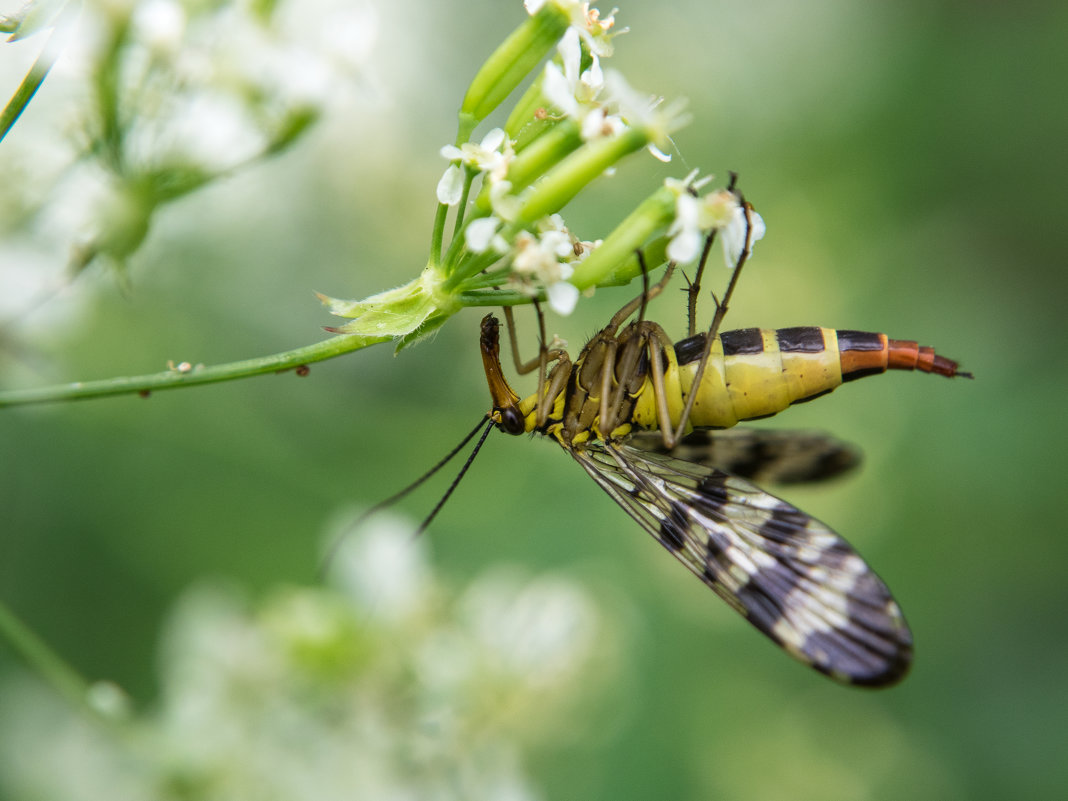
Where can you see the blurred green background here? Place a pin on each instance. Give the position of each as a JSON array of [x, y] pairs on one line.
[[907, 158]]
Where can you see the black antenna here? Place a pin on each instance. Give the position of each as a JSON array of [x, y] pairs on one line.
[[459, 476], [485, 422]]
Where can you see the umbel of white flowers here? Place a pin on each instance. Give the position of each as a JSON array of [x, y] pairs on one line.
[[573, 124]]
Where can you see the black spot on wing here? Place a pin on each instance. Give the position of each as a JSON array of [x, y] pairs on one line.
[[713, 488], [838, 654], [814, 596], [761, 609], [828, 464], [754, 458], [673, 527], [761, 455]]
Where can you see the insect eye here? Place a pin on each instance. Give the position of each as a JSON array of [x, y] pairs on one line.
[[511, 420]]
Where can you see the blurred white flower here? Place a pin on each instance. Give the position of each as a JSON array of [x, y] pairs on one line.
[[192, 91], [586, 21], [480, 234], [212, 130], [696, 216], [646, 111], [685, 234], [349, 34], [563, 297], [740, 233], [542, 261], [577, 93], [382, 566], [160, 24], [315, 693], [687, 231], [541, 630]]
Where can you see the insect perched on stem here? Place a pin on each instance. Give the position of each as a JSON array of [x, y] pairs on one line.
[[623, 408]]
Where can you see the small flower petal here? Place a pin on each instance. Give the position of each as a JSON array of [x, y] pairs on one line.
[[684, 246], [563, 297], [739, 235], [479, 233], [557, 90], [451, 186]]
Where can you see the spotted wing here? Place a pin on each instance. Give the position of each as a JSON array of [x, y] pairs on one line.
[[763, 455], [787, 573]]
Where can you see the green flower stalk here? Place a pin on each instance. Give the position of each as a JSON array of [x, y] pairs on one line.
[[574, 123], [560, 186], [509, 65]]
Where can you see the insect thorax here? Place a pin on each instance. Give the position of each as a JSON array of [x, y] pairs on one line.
[[604, 386]]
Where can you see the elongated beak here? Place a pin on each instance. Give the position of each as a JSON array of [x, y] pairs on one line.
[[505, 411]]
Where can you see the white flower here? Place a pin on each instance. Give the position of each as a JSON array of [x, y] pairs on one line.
[[381, 566], [537, 630], [563, 297], [160, 24], [687, 231], [576, 94], [213, 130], [490, 156], [600, 123], [696, 217], [349, 35], [451, 186], [650, 113], [685, 236], [585, 85], [542, 260], [740, 234], [557, 90], [482, 233], [586, 21], [504, 204]]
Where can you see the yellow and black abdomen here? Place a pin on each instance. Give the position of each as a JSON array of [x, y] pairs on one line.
[[756, 372]]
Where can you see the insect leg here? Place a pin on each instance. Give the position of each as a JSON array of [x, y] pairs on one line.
[[642, 299], [663, 413], [544, 355], [615, 375], [693, 288], [710, 337], [550, 389]]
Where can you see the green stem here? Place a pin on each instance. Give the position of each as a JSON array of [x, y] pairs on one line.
[[46, 662], [509, 64], [469, 176], [504, 297], [438, 235], [171, 379], [471, 265]]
